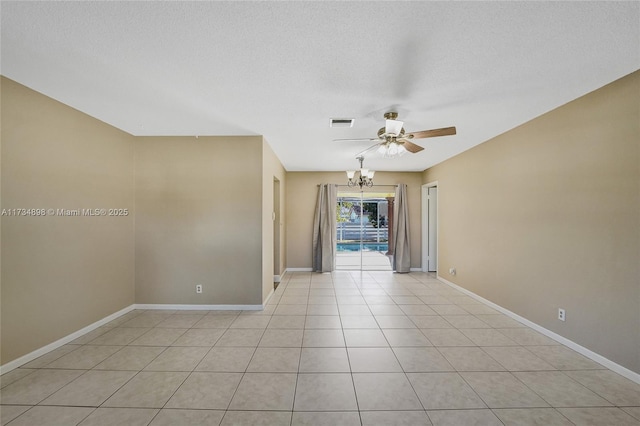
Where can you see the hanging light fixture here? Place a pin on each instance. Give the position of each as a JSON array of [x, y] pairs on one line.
[[364, 179]]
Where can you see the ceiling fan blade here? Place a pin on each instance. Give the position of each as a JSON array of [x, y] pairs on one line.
[[445, 131], [356, 140], [412, 147], [371, 148]]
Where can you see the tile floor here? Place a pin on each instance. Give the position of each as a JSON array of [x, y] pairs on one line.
[[349, 348]]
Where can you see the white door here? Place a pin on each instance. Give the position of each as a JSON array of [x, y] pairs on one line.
[[432, 219]]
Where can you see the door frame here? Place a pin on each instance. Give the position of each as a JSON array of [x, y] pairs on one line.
[[425, 226]]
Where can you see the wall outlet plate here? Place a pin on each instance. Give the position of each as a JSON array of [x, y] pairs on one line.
[[452, 271], [561, 314], [198, 288]]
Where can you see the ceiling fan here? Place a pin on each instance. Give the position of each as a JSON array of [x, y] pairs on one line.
[[392, 139]]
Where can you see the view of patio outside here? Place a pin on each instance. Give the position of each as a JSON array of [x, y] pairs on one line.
[[362, 233]]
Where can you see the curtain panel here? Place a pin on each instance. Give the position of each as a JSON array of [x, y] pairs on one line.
[[324, 229], [402, 244]]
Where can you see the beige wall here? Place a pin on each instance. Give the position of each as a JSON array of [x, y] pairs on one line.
[[60, 274], [272, 169], [547, 216], [199, 220], [302, 191]]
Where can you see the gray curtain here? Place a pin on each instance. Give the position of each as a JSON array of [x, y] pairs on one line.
[[324, 229], [402, 251]]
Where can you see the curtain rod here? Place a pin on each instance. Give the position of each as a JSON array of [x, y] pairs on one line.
[[354, 187]]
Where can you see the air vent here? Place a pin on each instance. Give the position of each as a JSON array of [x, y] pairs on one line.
[[341, 122]]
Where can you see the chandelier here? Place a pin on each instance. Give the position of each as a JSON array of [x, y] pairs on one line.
[[364, 179]]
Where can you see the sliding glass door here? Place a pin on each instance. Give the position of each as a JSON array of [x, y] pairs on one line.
[[363, 231]]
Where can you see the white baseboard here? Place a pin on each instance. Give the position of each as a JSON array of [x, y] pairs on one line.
[[63, 341], [200, 307], [623, 371], [299, 270]]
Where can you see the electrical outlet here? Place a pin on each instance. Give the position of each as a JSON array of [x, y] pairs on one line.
[[561, 314], [452, 271], [198, 288]]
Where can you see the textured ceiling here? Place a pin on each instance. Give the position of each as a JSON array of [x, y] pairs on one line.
[[282, 69]]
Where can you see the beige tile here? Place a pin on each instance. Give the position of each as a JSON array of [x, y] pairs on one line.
[[422, 360], [465, 321], [88, 337], [159, 337], [85, 357], [358, 321], [282, 338], [444, 391], [463, 417], [322, 300], [322, 292], [133, 358], [290, 310], [206, 391], [10, 412], [294, 300], [13, 375], [365, 338], [49, 357], [91, 389], [634, 411], [531, 417], [470, 359], [449, 310], [148, 389], [517, 359], [389, 309], [354, 310], [500, 321], [487, 337], [199, 337], [385, 391], [119, 336], [176, 417], [344, 299], [178, 358], [222, 320], [256, 418], [564, 358], [275, 360], [322, 310], [323, 338], [394, 321], [527, 337], [323, 321], [379, 300], [446, 337], [502, 390], [324, 360], [599, 416], [120, 416], [325, 392], [613, 387], [430, 321], [35, 387], [396, 418], [180, 321], [248, 337], [435, 300], [405, 337], [418, 310], [287, 321], [42, 416], [144, 321], [265, 391], [373, 360], [326, 418], [251, 321], [560, 390], [226, 359]]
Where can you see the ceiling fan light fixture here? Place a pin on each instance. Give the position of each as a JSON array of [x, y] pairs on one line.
[[393, 127]]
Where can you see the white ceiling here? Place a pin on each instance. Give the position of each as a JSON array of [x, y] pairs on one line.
[[282, 69]]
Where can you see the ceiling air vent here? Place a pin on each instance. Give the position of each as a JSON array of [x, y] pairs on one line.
[[341, 122]]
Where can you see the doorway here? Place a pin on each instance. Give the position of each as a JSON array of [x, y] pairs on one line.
[[276, 232], [362, 240], [430, 227]]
